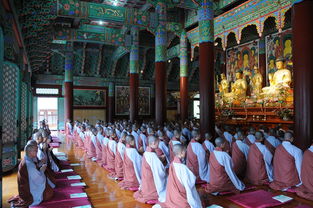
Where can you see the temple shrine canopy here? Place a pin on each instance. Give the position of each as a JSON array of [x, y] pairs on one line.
[[223, 61]]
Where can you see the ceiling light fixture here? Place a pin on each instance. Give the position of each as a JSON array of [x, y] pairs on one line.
[[101, 22], [114, 3]]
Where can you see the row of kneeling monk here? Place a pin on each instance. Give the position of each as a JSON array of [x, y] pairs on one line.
[[165, 171]]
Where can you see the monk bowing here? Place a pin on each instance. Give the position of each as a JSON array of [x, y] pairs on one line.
[[196, 159], [306, 189], [181, 191], [33, 185], [153, 175], [222, 175], [259, 164], [132, 166], [287, 165], [239, 154]]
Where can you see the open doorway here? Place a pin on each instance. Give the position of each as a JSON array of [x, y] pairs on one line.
[[48, 111]]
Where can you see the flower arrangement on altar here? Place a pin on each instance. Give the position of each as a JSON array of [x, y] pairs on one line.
[[227, 113], [285, 114]]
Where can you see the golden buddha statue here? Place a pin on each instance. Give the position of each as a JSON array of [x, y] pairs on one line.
[[238, 89], [224, 85], [256, 81], [279, 81]]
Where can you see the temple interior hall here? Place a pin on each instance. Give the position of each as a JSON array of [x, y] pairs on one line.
[[156, 103]]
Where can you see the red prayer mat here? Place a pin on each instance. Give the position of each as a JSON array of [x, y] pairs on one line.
[[256, 199]]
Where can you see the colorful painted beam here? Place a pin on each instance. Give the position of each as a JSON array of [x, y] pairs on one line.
[[253, 12], [103, 12]]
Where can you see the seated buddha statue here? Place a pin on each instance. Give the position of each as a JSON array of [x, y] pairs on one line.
[[224, 85], [238, 89], [256, 81], [279, 81]]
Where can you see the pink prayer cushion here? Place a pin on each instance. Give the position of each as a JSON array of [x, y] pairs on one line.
[[55, 145], [291, 190], [133, 188], [255, 199], [152, 202]]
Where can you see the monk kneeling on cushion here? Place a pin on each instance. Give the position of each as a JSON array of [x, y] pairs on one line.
[[222, 175], [153, 175], [197, 160], [306, 189], [287, 165], [33, 185], [181, 191], [132, 166], [259, 165]]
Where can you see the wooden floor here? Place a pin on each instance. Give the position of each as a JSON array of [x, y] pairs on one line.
[[104, 192]]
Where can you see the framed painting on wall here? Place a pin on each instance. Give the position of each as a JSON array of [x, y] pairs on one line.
[[278, 45], [121, 100], [144, 101], [242, 58], [89, 98]]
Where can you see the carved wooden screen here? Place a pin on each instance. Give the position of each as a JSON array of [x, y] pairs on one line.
[[9, 117], [24, 106]]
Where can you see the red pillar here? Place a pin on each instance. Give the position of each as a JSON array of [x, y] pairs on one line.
[[133, 96], [302, 29], [68, 100], [183, 98], [206, 82], [160, 92]]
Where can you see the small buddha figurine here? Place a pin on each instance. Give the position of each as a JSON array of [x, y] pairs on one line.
[[238, 89], [279, 81], [256, 81], [224, 85]]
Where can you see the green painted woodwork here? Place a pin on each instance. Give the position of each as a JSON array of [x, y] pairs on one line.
[[106, 12], [35, 112], [183, 55], [1, 96], [61, 113], [111, 89], [134, 51], [18, 112], [173, 52]]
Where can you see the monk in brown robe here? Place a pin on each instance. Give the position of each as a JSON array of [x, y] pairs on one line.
[[153, 175], [287, 165], [239, 154], [259, 163], [33, 186], [132, 166], [222, 176], [181, 191], [306, 189]]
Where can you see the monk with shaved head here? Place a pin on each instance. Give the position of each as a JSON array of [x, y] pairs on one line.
[[153, 175], [180, 190], [222, 175], [287, 165], [33, 185]]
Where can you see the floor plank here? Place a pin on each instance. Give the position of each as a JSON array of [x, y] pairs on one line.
[[105, 193]]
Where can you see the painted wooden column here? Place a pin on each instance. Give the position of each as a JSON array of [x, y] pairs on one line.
[[68, 86], [302, 29], [134, 76], [111, 106], [206, 68], [262, 60], [183, 57], [160, 64]]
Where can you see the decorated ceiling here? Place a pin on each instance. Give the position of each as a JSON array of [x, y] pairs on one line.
[[98, 32]]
